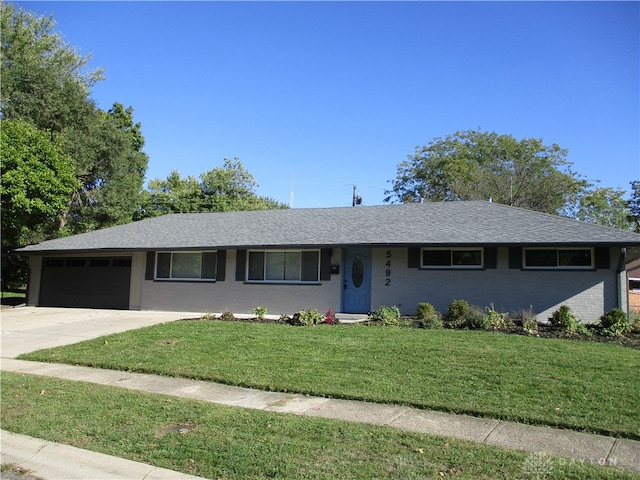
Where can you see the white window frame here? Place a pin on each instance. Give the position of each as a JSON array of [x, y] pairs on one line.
[[451, 265], [557, 265], [283, 281], [170, 278]]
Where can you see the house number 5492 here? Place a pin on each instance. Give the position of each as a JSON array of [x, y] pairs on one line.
[[387, 272]]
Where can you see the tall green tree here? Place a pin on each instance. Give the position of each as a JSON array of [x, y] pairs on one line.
[[476, 165], [47, 83], [225, 188], [173, 195], [634, 205], [110, 166], [604, 206], [36, 183]]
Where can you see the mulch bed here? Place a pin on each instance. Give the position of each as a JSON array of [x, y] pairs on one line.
[[631, 340]]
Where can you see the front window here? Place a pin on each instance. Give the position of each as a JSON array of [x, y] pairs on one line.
[[452, 258], [186, 266], [291, 266], [570, 258]]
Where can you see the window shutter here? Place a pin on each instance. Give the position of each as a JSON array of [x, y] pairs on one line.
[[491, 257], [325, 264], [221, 265], [515, 257], [602, 260], [413, 255], [241, 265], [151, 263]]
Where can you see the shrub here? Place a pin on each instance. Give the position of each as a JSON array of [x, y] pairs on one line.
[[388, 316], [425, 310], [496, 320], [457, 313], [615, 323], [567, 322], [227, 316], [284, 318], [305, 318], [330, 318], [529, 322], [260, 312], [208, 316], [434, 322], [476, 319], [428, 317]]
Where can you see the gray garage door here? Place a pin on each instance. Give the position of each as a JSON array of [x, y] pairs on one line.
[[90, 282]]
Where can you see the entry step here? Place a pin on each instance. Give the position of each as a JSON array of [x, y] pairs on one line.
[[352, 317]]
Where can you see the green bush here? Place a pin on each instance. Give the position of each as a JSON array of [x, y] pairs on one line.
[[425, 310], [260, 312], [306, 318], [428, 317], [615, 323], [496, 320], [529, 322], [387, 316], [457, 312], [476, 319], [567, 322]]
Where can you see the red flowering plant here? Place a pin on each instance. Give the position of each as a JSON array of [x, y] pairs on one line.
[[330, 318]]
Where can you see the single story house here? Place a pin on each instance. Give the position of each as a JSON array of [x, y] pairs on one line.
[[349, 259]]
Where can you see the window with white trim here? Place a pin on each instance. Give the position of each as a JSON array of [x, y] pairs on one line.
[[283, 266], [194, 266], [452, 258], [564, 258]]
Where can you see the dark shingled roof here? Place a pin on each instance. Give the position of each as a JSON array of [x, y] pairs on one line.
[[445, 223]]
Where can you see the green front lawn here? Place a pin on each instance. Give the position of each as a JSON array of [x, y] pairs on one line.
[[579, 385], [12, 298], [221, 442]]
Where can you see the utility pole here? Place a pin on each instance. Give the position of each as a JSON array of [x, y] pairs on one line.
[[357, 199]]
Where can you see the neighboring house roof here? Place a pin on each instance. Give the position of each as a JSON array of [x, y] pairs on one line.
[[442, 223]]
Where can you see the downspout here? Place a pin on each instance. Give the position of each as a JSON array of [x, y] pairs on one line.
[[623, 283]]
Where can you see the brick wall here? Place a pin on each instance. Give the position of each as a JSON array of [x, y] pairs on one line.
[[634, 302]]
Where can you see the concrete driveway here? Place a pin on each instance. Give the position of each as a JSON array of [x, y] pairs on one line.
[[26, 329]]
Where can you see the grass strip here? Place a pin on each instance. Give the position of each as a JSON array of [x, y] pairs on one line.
[[579, 385], [221, 442]]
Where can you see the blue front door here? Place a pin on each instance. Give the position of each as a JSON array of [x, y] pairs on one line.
[[356, 280]]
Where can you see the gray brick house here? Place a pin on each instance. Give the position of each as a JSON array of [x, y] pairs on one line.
[[350, 259]]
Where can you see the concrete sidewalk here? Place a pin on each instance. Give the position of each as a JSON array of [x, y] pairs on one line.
[[54, 461], [581, 447]]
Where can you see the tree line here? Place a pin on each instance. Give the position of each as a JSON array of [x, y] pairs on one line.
[[69, 167], [526, 173]]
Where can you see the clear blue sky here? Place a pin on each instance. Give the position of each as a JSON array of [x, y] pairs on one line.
[[317, 96]]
